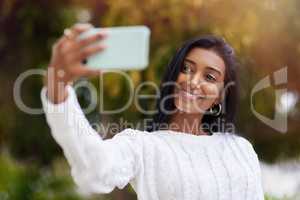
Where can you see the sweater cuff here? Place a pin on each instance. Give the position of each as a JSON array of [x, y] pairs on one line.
[[50, 107]]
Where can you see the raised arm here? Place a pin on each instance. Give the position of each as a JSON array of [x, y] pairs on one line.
[[97, 165]]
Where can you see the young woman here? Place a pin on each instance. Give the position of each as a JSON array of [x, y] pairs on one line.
[[190, 151]]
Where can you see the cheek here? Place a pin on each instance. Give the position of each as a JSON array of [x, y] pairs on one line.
[[181, 78], [211, 90]]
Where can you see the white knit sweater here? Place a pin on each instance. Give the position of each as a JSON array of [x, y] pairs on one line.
[[161, 165]]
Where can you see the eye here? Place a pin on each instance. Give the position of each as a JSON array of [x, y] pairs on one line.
[[186, 68], [210, 77]]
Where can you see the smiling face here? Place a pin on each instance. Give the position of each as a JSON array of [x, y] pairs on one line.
[[200, 81]]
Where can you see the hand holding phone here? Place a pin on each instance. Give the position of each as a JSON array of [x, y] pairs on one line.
[[67, 54], [127, 48]]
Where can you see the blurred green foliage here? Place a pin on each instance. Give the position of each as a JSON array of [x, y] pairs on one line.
[[30, 183], [265, 35], [27, 182]]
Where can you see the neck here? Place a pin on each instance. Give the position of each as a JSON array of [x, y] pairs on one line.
[[187, 122]]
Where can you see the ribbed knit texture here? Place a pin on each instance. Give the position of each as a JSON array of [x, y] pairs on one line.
[[161, 165]]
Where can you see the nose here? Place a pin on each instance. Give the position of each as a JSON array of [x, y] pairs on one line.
[[195, 80]]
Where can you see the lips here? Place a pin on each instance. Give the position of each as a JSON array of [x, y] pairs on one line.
[[190, 96]]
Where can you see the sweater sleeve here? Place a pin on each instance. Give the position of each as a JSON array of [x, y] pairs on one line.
[[97, 165], [255, 165]]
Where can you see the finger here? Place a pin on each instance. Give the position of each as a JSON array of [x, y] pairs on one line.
[[74, 31], [83, 71], [79, 28], [67, 47], [58, 43], [82, 25], [68, 34], [90, 50], [70, 44], [79, 56], [63, 42], [91, 39]]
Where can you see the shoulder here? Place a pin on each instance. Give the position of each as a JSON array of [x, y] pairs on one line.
[[239, 144], [246, 145], [244, 142], [237, 139], [246, 148]]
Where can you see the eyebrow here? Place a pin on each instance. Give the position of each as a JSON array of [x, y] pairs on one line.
[[210, 67]]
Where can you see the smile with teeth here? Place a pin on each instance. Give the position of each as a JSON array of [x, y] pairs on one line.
[[189, 95]]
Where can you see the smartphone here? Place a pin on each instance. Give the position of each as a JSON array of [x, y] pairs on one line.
[[127, 48]]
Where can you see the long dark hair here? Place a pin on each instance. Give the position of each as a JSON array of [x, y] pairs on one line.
[[229, 100]]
